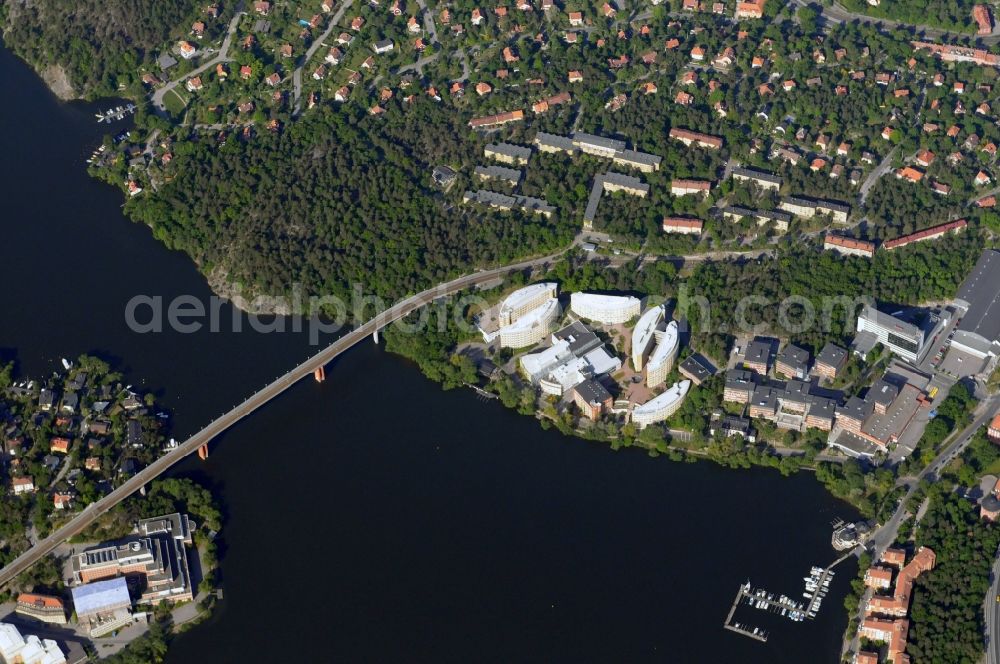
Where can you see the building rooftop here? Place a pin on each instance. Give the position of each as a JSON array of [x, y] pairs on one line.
[[623, 180], [522, 296], [697, 366], [555, 141], [757, 175], [832, 355], [676, 392], [739, 379], [636, 157], [101, 596], [648, 323], [888, 322], [980, 296], [758, 351], [795, 357], [666, 347], [511, 175], [509, 149], [581, 138], [592, 391]]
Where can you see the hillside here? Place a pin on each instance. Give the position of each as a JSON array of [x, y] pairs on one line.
[[93, 45]]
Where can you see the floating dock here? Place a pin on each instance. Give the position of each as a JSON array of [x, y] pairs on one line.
[[115, 114]]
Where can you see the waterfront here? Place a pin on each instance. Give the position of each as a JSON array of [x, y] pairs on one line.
[[376, 517]]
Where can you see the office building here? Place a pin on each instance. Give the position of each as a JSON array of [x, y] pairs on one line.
[[576, 355], [103, 606], [904, 339], [592, 399], [18, 649], [526, 299], [157, 555]]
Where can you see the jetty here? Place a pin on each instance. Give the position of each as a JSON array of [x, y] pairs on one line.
[[115, 114], [816, 586]]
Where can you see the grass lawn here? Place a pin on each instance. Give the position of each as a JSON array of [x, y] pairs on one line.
[[174, 102]]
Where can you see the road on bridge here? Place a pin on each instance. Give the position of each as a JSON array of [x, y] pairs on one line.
[[92, 512]]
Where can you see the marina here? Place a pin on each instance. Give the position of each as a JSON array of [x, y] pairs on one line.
[[115, 114], [817, 585]]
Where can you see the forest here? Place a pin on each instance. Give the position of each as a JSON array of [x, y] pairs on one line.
[[948, 14], [946, 616], [99, 43], [917, 273], [338, 199]]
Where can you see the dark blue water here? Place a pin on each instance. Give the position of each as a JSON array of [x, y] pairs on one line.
[[375, 517]]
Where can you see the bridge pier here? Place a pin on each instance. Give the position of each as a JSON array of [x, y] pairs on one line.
[[375, 336], [320, 374], [203, 452]]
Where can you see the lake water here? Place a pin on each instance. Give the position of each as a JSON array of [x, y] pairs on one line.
[[375, 517]]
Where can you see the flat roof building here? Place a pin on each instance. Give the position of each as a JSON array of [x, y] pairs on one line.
[[643, 335], [762, 179], [523, 300], [978, 331], [661, 407], [758, 356], [576, 354], [793, 362], [829, 362], [904, 339], [661, 361], [696, 369], [18, 649], [609, 309], [511, 176], [531, 327], [508, 153]]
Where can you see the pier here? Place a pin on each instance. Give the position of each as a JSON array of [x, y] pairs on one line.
[[796, 611], [115, 114]]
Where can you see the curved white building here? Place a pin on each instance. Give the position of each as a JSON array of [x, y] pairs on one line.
[[643, 335], [661, 407], [525, 300], [662, 359], [608, 309], [531, 327]]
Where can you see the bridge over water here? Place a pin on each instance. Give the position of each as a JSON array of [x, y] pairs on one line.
[[401, 309]]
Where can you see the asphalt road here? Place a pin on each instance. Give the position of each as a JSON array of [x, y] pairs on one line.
[[221, 56], [399, 310], [991, 612], [297, 74]]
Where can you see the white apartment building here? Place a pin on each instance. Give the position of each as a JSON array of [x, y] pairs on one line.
[[642, 335], [608, 309], [526, 299], [664, 355], [661, 407], [531, 327]]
